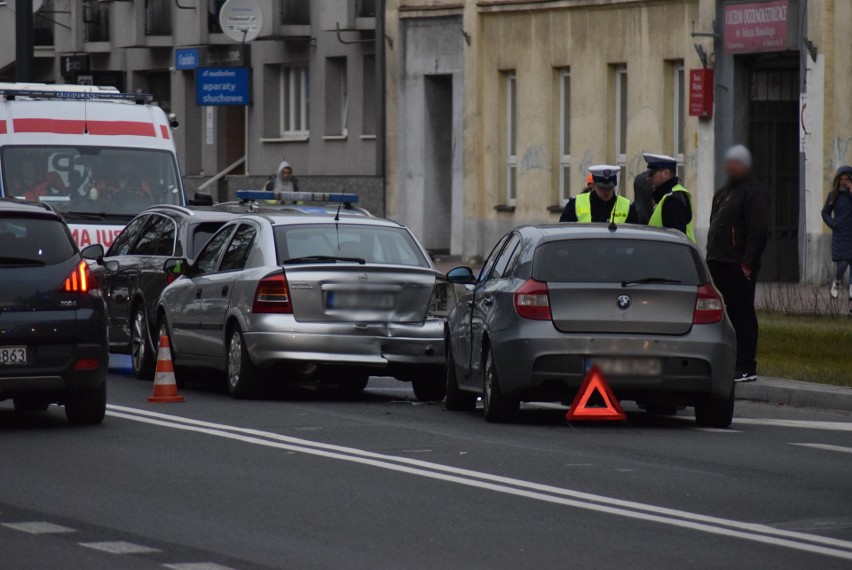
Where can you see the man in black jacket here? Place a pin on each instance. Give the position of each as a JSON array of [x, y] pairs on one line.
[[739, 227]]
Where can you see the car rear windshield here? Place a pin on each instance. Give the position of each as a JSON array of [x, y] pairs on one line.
[[614, 260], [34, 241], [373, 244]]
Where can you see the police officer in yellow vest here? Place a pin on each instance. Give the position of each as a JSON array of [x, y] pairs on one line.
[[672, 202], [602, 204]]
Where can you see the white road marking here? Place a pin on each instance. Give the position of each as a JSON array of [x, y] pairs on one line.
[[717, 430], [517, 487], [826, 447], [197, 566], [39, 527], [119, 547], [803, 424]]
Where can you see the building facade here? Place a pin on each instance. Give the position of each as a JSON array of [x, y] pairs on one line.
[[496, 109], [314, 83]]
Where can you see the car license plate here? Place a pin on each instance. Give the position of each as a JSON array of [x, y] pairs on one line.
[[359, 300], [620, 366], [13, 355]]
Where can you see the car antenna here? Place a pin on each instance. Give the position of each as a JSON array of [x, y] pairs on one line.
[[339, 205]]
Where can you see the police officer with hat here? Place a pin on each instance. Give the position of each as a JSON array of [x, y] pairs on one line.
[[672, 202], [602, 204]]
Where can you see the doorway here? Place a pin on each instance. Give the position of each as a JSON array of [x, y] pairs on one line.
[[438, 163], [235, 137], [773, 137]]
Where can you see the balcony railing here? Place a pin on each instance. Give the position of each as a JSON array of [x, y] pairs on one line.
[[295, 12], [365, 8], [158, 17], [96, 18], [43, 25]]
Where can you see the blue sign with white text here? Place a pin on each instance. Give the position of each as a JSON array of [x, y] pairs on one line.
[[186, 58], [216, 86]]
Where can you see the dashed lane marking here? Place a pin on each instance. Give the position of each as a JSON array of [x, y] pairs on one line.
[[825, 446], [802, 424], [754, 532], [39, 527], [197, 566], [120, 547]]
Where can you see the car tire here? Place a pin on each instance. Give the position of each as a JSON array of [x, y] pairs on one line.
[[456, 400], [30, 404], [715, 413], [86, 407], [353, 382], [497, 407], [429, 387], [243, 379], [142, 353], [163, 330]]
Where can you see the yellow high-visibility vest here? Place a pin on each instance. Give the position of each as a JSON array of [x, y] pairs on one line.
[[583, 209], [657, 216]]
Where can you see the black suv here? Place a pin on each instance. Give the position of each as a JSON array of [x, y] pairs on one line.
[[53, 338], [131, 275]]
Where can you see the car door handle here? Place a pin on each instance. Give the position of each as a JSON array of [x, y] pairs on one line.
[[488, 301], [225, 291], [198, 293]]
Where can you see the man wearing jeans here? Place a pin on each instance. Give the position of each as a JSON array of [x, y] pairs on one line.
[[738, 232]]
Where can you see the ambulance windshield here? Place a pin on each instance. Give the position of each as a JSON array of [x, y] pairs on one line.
[[88, 181]]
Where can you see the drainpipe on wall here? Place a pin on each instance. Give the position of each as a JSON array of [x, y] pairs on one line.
[[23, 40]]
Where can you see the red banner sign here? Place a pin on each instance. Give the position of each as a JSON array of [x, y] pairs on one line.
[[757, 26], [701, 93]]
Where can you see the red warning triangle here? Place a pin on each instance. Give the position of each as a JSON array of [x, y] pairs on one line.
[[595, 382]]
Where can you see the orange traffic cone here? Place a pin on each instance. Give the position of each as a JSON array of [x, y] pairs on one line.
[[165, 387]]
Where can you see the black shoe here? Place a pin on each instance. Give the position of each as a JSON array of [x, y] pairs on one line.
[[740, 376]]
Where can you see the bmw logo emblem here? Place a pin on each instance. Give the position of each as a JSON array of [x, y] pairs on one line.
[[623, 302]]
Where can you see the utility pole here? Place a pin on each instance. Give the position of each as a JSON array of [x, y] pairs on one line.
[[23, 40]]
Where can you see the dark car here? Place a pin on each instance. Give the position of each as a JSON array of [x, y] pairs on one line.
[[552, 301], [53, 339], [131, 276]]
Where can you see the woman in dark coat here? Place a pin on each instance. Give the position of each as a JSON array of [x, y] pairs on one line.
[[837, 214]]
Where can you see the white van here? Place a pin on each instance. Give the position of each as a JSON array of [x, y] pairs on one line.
[[98, 156]]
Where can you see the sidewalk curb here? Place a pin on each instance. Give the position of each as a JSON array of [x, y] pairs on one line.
[[796, 393]]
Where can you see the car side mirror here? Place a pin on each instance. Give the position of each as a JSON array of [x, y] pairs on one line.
[[174, 267], [112, 265], [94, 252], [461, 276], [201, 199]]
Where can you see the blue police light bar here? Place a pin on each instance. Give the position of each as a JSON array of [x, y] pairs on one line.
[[297, 196], [77, 95]]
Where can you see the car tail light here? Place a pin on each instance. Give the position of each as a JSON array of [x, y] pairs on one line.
[[439, 306], [80, 280], [87, 364], [709, 307], [532, 302], [272, 295]]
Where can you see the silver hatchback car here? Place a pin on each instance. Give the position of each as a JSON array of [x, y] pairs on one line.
[[275, 296], [551, 301]]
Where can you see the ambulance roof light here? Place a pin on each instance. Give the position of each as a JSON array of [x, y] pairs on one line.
[[139, 98], [340, 198]]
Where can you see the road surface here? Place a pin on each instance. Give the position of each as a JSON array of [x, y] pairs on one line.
[[313, 479]]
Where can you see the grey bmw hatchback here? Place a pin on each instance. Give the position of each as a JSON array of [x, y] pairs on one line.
[[552, 301], [53, 336]]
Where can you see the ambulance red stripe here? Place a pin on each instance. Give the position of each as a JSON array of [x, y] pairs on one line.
[[77, 126], [164, 130]]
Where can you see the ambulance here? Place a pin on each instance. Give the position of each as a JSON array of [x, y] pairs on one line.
[[97, 156]]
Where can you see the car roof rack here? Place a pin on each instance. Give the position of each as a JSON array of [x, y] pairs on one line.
[[138, 98]]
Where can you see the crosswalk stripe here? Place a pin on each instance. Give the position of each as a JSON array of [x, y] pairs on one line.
[[825, 446], [119, 547], [39, 527]]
